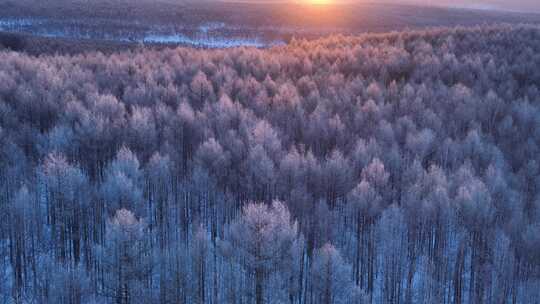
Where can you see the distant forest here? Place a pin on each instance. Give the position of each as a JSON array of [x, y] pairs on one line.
[[380, 168]]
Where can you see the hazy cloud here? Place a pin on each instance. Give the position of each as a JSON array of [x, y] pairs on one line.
[[517, 5]]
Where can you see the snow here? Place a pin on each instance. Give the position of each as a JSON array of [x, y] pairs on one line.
[[211, 26], [210, 42], [205, 35], [14, 22]]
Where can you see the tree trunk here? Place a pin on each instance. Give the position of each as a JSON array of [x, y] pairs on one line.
[[259, 286]]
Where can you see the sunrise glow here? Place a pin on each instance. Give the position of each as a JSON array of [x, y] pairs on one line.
[[318, 2]]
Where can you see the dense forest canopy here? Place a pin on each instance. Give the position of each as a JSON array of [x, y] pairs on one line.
[[380, 168]]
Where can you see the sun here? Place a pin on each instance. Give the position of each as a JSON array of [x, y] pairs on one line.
[[318, 2]]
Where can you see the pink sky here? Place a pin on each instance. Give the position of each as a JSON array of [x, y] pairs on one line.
[[531, 6], [513, 5]]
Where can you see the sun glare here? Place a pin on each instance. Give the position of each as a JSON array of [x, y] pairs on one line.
[[319, 2]]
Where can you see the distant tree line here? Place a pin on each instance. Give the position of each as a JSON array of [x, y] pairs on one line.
[[381, 168]]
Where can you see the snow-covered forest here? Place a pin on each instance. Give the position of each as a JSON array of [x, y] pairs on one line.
[[380, 168]]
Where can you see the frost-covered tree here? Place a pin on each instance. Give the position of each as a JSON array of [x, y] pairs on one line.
[[66, 205], [263, 238], [331, 277], [122, 187], [415, 154], [126, 261]]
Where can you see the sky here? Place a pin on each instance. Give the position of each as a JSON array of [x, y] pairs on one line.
[[531, 6], [510, 5]]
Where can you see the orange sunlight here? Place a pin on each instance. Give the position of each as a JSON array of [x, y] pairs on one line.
[[318, 2]]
